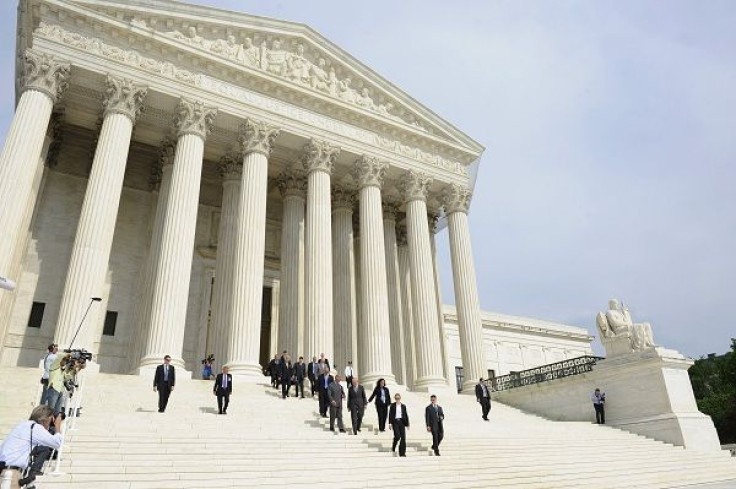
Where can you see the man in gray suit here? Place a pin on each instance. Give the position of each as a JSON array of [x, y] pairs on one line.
[[335, 395], [357, 402]]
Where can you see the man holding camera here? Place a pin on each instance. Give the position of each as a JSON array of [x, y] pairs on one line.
[[55, 392], [30, 443], [599, 399]]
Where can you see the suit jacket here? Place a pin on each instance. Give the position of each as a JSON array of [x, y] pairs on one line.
[[218, 384], [356, 399], [479, 392], [392, 414], [158, 379], [321, 381], [335, 394], [377, 395], [300, 370], [310, 371], [285, 370], [434, 418]]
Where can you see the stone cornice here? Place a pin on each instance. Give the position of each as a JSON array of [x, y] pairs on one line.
[[414, 185], [45, 74], [230, 167], [342, 198], [257, 137], [193, 117], [456, 198], [292, 184], [319, 156], [369, 171], [123, 96]]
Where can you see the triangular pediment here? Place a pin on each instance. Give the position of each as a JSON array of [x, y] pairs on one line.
[[290, 56]]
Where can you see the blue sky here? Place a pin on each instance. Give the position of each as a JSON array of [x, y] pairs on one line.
[[610, 130]]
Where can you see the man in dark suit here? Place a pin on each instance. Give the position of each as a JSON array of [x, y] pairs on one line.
[[323, 381], [398, 420], [273, 370], [383, 399], [313, 372], [300, 371], [434, 417], [285, 370], [483, 395], [356, 404], [163, 382], [222, 389]]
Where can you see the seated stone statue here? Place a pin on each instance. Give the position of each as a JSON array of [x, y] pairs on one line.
[[619, 334]]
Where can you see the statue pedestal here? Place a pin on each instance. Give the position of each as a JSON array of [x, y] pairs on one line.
[[649, 393], [617, 345]]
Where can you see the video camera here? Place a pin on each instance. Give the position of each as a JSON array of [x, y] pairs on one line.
[[79, 354], [210, 358]]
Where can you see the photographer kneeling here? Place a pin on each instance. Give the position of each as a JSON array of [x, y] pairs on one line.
[[31, 438]]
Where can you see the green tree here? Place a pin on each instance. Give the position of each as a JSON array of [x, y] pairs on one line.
[[714, 386]]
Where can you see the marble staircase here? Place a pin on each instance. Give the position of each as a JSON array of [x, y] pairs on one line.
[[265, 441]]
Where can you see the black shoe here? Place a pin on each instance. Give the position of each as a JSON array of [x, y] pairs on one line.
[[437, 453], [220, 412], [27, 480], [342, 431], [402, 455], [332, 430]]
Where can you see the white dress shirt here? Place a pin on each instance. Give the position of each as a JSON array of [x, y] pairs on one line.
[[398, 411], [47, 364], [348, 371], [17, 445]]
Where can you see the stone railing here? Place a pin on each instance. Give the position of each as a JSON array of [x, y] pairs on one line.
[[544, 373]]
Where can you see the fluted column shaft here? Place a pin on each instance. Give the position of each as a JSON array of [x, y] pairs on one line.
[[470, 325], [93, 241], [343, 272], [448, 371], [44, 81], [407, 316], [143, 312], [375, 333], [318, 256], [395, 306], [247, 292], [173, 273], [291, 303], [226, 243]]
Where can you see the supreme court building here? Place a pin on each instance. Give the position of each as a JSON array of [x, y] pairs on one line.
[[234, 185]]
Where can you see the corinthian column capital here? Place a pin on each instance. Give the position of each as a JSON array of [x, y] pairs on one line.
[[414, 185], [257, 137], [369, 171], [319, 156], [165, 158], [194, 117], [342, 198], [230, 167], [45, 73], [122, 96], [291, 183], [456, 198]]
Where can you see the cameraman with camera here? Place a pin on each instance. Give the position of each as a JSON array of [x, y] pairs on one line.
[[207, 367], [599, 400], [30, 444], [63, 376]]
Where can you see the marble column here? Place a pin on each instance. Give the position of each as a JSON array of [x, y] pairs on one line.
[[406, 311], [456, 201], [415, 186], [231, 170], [160, 185], [447, 367], [174, 269], [44, 81], [257, 139], [357, 345], [375, 331], [318, 161], [395, 306], [92, 244], [343, 277], [291, 305]]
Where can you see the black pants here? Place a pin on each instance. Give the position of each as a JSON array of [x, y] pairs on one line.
[[223, 400], [274, 380], [356, 417], [382, 411], [485, 404], [313, 385], [437, 435], [399, 437], [299, 386], [40, 455], [324, 402], [164, 391], [285, 388], [600, 415]]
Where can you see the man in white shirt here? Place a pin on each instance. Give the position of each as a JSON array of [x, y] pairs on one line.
[[48, 360], [31, 438], [349, 373]]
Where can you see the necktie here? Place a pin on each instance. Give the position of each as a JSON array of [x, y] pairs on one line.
[[224, 381], [166, 373]]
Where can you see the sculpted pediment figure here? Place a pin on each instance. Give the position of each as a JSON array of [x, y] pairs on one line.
[[619, 334]]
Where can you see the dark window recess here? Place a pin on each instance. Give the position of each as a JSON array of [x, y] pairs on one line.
[[111, 319], [491, 374], [36, 317]]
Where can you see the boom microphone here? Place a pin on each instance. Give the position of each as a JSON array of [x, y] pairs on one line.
[[6, 283]]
